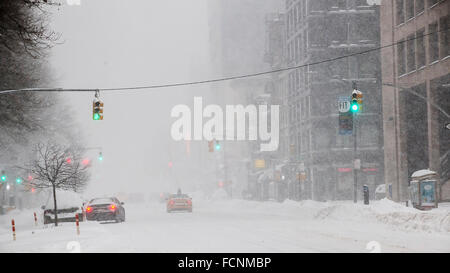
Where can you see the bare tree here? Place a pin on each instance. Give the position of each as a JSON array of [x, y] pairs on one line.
[[58, 167], [24, 26]]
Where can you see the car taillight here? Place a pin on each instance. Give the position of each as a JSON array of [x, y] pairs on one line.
[[171, 202], [112, 207], [189, 202], [88, 209]]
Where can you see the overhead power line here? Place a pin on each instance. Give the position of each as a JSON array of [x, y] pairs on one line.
[[220, 79]]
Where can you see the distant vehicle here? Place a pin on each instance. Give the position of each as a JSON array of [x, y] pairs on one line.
[[68, 204], [179, 202], [105, 209]]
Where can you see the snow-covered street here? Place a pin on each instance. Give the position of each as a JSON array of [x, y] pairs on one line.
[[243, 226]]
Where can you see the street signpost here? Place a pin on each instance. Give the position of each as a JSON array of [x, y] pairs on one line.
[[343, 104], [345, 116]]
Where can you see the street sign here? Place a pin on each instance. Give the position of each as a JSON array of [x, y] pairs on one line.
[[346, 123], [343, 104], [260, 163], [447, 126]]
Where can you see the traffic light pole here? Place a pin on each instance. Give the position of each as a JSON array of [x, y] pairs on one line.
[[355, 175]]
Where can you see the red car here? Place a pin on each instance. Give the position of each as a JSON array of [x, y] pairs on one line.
[[179, 202]]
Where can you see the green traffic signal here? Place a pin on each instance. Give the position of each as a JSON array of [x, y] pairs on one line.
[[354, 107], [217, 147], [3, 178], [18, 180], [100, 157], [96, 116]]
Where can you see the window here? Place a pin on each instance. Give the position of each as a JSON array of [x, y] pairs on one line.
[[433, 45], [409, 9], [401, 58], [420, 48], [444, 26], [317, 5], [297, 49], [420, 5], [410, 54], [400, 16], [295, 12]]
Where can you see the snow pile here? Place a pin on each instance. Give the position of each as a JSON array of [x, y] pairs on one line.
[[422, 173], [412, 219], [388, 212], [383, 211]]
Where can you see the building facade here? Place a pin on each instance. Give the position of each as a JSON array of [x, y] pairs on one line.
[[416, 91], [321, 30]]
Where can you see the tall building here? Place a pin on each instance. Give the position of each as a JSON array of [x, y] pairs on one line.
[[237, 47], [318, 30], [416, 91]]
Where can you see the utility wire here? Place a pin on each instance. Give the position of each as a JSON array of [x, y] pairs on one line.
[[224, 78]]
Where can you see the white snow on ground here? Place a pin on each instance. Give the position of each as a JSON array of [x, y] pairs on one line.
[[243, 226]]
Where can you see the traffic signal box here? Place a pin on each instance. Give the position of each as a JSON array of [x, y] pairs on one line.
[[357, 100], [97, 110]]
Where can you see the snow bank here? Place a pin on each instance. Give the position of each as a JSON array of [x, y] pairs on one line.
[[384, 211]]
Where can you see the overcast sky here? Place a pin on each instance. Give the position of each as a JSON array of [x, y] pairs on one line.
[[114, 43]]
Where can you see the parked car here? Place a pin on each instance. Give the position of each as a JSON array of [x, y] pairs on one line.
[[105, 209], [69, 204], [179, 202]]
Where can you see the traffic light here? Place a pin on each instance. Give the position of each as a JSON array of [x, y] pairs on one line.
[[19, 180], [100, 156], [217, 146], [211, 146], [97, 110], [354, 106], [3, 176], [357, 100]]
